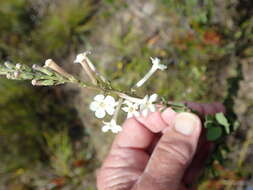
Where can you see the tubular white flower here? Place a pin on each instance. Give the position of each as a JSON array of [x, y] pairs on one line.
[[88, 67], [49, 63], [112, 125], [148, 104], [80, 58], [102, 105], [8, 65], [83, 59], [131, 109], [156, 66]]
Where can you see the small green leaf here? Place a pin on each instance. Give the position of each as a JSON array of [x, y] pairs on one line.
[[26, 76], [208, 124], [209, 118], [47, 83], [214, 133], [178, 110], [222, 120]]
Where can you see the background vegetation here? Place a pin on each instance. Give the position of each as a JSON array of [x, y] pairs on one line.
[[47, 139]]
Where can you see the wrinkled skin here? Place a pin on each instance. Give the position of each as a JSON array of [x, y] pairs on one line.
[[149, 154]]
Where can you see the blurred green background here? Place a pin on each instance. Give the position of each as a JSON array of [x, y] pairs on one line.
[[48, 137]]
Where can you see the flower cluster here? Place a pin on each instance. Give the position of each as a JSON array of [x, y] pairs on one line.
[[134, 107], [104, 104]]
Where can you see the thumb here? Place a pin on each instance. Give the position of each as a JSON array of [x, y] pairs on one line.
[[172, 155]]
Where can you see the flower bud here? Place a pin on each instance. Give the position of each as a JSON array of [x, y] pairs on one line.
[[18, 66], [26, 76], [8, 76], [9, 65], [55, 67], [34, 82], [42, 82], [41, 69]]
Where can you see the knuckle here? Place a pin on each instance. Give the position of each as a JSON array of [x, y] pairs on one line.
[[179, 152]]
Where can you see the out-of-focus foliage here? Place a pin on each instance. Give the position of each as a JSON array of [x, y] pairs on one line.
[[37, 125], [202, 42]]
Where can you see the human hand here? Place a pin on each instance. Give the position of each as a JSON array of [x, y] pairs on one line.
[[164, 151]]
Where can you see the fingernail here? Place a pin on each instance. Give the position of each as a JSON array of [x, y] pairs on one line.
[[185, 123]]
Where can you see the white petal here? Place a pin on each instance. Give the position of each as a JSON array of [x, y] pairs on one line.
[[110, 110], [152, 108], [100, 113], [162, 67], [116, 129], [128, 103], [79, 58], [155, 60], [145, 112], [125, 109], [105, 128], [113, 122], [94, 106], [130, 114], [99, 97], [143, 107], [145, 99], [153, 98], [137, 114], [110, 100], [136, 106]]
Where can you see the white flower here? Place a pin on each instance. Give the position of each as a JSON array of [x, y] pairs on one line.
[[112, 125], [148, 105], [80, 58], [156, 66], [131, 109], [102, 105], [83, 57]]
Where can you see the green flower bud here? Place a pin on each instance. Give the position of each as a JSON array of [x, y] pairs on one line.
[[9, 65], [43, 70]]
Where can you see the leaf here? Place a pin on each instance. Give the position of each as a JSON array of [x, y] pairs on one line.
[[208, 124], [222, 120], [209, 121], [214, 133], [209, 118]]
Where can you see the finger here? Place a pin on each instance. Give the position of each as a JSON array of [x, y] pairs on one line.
[[127, 158], [154, 121], [158, 121], [196, 167], [219, 107], [195, 107], [172, 154], [134, 135], [205, 109], [168, 116], [204, 147]]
